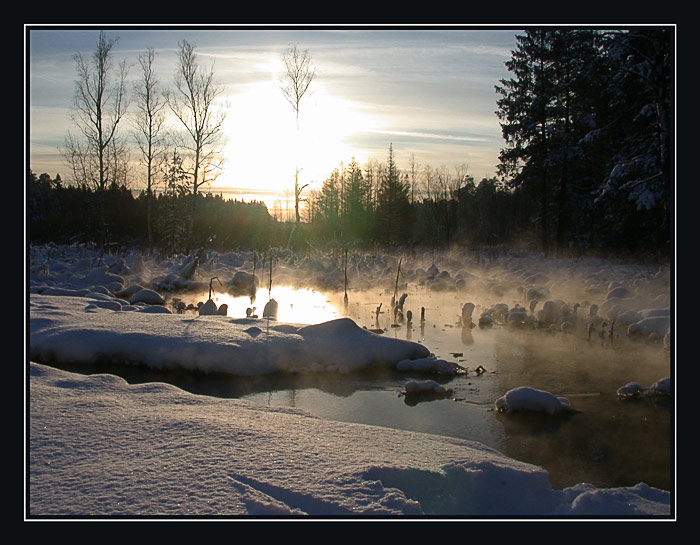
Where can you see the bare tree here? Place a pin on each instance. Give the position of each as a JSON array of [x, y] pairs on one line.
[[193, 103], [149, 124], [461, 179], [98, 159], [82, 165], [99, 104], [295, 82]]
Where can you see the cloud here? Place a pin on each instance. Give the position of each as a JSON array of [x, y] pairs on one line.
[[434, 136]]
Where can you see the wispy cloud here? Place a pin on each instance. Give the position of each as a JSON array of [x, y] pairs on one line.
[[433, 136]]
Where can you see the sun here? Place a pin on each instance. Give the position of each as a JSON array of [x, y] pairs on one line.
[[264, 148]]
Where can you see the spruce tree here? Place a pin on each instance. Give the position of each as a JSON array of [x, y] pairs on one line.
[[393, 204], [638, 131], [174, 227], [525, 113]]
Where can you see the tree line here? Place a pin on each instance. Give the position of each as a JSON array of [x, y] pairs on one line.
[[586, 164], [66, 213]]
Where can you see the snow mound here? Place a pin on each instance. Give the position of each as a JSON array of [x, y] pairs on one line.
[[661, 386], [415, 386], [150, 297], [62, 328], [629, 389], [525, 398]]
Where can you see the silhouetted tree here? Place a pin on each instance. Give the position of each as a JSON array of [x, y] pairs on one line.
[[193, 101], [296, 80], [173, 227], [393, 206], [355, 202], [638, 131], [150, 132], [99, 104], [525, 113]]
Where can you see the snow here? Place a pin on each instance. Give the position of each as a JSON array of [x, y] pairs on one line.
[[77, 329], [414, 386], [525, 398], [99, 447], [631, 389]]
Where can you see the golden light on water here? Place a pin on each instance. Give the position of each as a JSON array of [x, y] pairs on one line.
[[296, 305]]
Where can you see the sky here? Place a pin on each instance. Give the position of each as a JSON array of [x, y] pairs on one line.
[[427, 92]]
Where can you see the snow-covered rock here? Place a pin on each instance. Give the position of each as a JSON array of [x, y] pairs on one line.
[[655, 325], [629, 389], [416, 386], [150, 297], [525, 398], [207, 309]]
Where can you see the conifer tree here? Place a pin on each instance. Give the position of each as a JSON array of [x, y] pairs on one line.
[[174, 228], [393, 204], [526, 117], [638, 131]]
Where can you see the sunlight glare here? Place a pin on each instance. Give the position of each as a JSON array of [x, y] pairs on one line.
[[296, 306], [264, 148]]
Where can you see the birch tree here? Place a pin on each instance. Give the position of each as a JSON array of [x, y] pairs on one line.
[[99, 104], [149, 126]]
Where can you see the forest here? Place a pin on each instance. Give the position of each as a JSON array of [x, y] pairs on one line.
[[586, 167]]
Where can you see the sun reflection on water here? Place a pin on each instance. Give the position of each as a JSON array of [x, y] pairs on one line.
[[296, 305]]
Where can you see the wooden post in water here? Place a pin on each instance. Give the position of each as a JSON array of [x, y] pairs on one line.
[[269, 286], [211, 280], [345, 266], [396, 285], [253, 287]]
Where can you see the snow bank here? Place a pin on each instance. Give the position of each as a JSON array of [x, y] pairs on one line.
[[100, 447], [74, 329]]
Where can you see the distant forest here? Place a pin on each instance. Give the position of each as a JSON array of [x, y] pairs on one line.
[[586, 167]]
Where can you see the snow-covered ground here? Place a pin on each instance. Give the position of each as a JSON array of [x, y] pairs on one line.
[[98, 446]]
